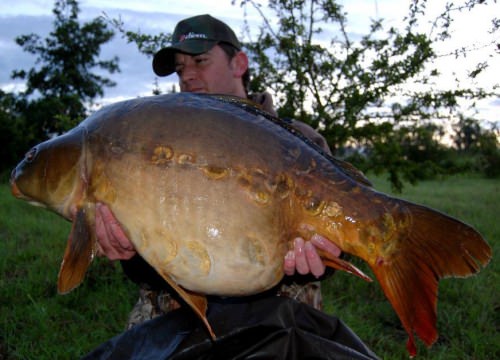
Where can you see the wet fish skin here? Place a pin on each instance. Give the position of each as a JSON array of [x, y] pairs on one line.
[[210, 190]]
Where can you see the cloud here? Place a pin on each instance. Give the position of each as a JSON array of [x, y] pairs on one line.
[[155, 16], [136, 77], [13, 57]]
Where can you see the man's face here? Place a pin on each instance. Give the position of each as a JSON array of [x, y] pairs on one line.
[[211, 72]]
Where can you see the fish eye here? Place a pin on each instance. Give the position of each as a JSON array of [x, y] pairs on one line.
[[30, 155]]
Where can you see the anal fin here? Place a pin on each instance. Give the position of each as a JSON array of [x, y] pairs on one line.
[[196, 301]]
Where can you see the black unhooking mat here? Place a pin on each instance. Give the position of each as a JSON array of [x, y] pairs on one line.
[[269, 328]]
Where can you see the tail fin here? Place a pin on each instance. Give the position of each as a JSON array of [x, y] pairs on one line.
[[433, 247]]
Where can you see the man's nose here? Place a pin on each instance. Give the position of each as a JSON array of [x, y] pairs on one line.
[[188, 73]]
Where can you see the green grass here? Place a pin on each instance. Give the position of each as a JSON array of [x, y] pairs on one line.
[[37, 323]]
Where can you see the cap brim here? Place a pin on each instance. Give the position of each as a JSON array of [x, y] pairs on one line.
[[164, 60]]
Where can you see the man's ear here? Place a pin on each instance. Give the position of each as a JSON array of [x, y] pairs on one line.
[[239, 64]]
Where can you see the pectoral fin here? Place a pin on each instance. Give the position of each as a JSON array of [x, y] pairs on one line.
[[78, 254], [196, 301]]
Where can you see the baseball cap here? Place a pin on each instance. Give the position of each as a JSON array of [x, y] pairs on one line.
[[195, 35]]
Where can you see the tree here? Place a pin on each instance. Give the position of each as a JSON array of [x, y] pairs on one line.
[[467, 134], [61, 86], [12, 136], [372, 93], [338, 85], [477, 145]]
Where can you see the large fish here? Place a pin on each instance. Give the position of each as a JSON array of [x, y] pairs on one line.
[[210, 190]]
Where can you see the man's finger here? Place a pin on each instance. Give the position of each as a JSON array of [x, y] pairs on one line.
[[316, 266], [116, 235], [289, 263], [326, 245], [112, 241], [300, 257]]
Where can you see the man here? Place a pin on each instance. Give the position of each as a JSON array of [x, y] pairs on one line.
[[206, 56]]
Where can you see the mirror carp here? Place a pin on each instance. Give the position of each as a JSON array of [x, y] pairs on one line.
[[211, 190]]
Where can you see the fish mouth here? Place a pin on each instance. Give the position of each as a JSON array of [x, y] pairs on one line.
[[14, 188], [15, 191], [18, 194]]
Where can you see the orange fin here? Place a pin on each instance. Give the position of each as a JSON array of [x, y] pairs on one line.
[[431, 247], [339, 264], [78, 254], [196, 301]]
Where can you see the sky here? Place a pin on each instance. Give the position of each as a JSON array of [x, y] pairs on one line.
[[153, 16]]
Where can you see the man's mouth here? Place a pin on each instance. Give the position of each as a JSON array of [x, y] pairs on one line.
[[196, 90]]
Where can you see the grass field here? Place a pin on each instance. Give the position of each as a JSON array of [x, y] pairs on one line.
[[36, 323]]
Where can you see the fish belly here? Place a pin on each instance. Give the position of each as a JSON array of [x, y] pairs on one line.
[[207, 233]]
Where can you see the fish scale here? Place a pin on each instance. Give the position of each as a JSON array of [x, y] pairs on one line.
[[211, 190]]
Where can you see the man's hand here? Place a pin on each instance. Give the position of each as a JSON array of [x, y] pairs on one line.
[[111, 240], [115, 245], [305, 259]]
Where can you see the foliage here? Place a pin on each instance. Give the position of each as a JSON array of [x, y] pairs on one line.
[[11, 131], [472, 139], [61, 85], [413, 151], [342, 86]]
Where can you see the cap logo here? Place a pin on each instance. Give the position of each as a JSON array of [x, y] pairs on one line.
[[192, 35]]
